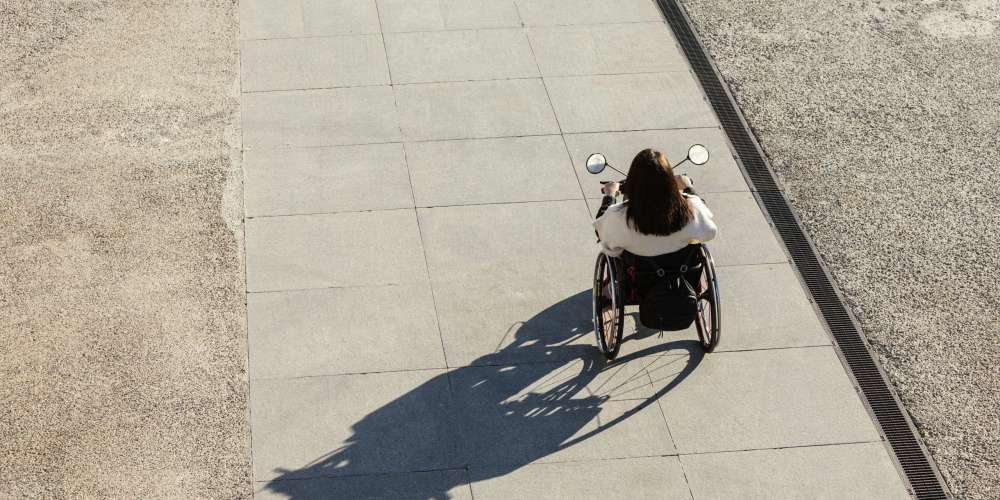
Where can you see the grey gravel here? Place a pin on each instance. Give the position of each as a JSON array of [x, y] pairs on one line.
[[122, 320], [882, 120]]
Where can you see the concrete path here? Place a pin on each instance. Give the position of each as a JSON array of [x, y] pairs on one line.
[[419, 260]]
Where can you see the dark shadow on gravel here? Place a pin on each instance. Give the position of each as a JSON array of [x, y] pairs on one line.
[[502, 416]]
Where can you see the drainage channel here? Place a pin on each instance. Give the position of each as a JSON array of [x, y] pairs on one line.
[[923, 477]]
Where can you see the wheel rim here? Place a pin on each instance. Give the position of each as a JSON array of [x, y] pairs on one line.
[[705, 310], [708, 324], [606, 314], [609, 309]]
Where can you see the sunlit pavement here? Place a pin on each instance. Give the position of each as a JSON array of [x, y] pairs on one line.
[[419, 257]]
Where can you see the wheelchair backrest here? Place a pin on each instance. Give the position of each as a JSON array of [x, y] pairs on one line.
[[681, 261], [641, 272]]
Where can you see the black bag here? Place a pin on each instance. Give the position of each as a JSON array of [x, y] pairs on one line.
[[671, 302]]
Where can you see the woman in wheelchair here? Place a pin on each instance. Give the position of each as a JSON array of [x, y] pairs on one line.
[[653, 236], [661, 213]]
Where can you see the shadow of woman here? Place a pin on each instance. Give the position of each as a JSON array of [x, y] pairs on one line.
[[536, 396]]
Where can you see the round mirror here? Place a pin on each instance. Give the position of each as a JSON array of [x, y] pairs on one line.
[[698, 154], [596, 163]]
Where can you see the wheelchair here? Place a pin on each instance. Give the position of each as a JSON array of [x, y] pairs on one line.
[[615, 288]]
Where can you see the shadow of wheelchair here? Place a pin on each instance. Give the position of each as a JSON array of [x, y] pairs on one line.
[[499, 416]]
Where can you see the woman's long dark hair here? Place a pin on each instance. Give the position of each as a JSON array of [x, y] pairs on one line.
[[655, 203]]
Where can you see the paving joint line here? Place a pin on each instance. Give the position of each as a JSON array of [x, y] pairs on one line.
[[363, 474], [416, 214], [769, 263], [561, 363], [777, 448], [337, 287], [271, 148], [349, 374], [469, 467], [418, 207], [700, 192], [552, 108], [484, 28], [391, 83], [670, 433], [776, 348], [333, 287]]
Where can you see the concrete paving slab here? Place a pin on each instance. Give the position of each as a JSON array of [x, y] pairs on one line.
[[306, 63], [327, 179], [606, 49], [349, 425], [329, 117], [475, 110], [342, 330], [744, 237], [633, 479], [301, 18], [514, 242], [566, 12], [629, 102], [436, 15], [317, 251], [553, 416], [495, 321], [862, 470], [450, 484], [764, 399], [491, 171], [765, 307], [720, 174], [444, 56]]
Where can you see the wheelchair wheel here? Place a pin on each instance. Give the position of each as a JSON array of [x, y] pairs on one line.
[[609, 306], [709, 320]]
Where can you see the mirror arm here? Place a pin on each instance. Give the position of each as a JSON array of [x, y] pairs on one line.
[[615, 169], [681, 163]]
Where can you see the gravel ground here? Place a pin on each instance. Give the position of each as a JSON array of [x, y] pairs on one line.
[[122, 335], [882, 120]]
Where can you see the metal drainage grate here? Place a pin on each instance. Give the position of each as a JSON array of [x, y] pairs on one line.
[[922, 476]]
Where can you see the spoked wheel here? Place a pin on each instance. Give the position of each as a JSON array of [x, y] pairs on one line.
[[709, 320], [609, 306]]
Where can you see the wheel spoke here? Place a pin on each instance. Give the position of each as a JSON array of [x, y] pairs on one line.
[[609, 321]]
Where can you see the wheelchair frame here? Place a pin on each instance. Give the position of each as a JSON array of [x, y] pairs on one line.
[[609, 303]]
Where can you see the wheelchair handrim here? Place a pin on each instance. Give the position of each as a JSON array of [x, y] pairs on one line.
[[607, 334]]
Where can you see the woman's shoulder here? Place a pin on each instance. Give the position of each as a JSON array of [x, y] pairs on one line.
[[618, 208], [698, 205], [612, 216], [614, 211], [695, 202]]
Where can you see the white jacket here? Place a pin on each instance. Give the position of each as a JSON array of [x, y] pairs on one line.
[[617, 236]]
